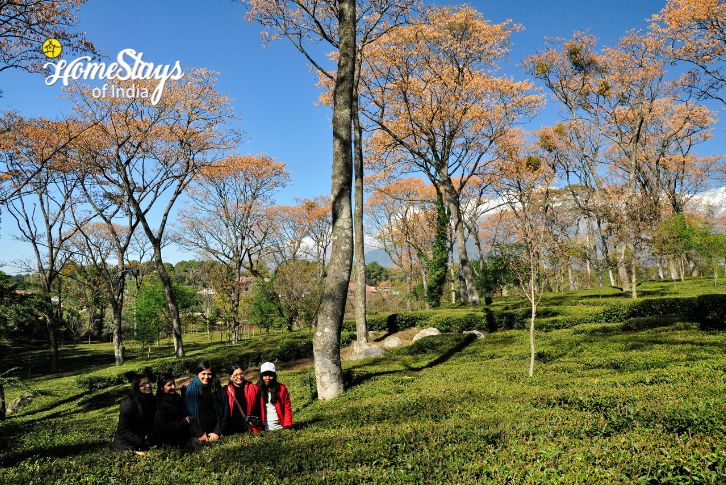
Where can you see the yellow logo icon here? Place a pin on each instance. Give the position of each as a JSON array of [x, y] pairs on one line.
[[52, 48]]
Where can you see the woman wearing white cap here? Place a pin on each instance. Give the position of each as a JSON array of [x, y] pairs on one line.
[[275, 405]]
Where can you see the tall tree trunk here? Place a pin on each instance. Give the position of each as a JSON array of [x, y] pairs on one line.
[[118, 345], [326, 342], [361, 326], [634, 276], [622, 269], [452, 201], [570, 277], [3, 413], [176, 327], [52, 343], [235, 318], [452, 274], [533, 314], [117, 304], [673, 268], [439, 256]]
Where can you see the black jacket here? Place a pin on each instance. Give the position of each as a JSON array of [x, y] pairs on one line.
[[135, 424], [171, 428]]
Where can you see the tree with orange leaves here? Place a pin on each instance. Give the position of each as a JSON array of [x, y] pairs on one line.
[[317, 223], [438, 107], [288, 227], [37, 160], [226, 217], [404, 220], [626, 143], [334, 22], [96, 245], [147, 154], [305, 23], [695, 33], [26, 24], [523, 180], [18, 135]]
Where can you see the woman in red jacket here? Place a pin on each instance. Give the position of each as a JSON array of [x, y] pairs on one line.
[[243, 403], [275, 405]]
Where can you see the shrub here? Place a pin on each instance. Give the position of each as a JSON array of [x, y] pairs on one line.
[[289, 349], [409, 320], [653, 321], [710, 312], [646, 308], [457, 322], [93, 383]]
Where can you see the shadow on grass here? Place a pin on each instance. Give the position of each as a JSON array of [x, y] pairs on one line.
[[60, 451], [354, 379]]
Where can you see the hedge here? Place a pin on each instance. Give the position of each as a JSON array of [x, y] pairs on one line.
[[707, 310]]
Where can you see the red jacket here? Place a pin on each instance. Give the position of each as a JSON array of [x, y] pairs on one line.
[[250, 391], [283, 406]]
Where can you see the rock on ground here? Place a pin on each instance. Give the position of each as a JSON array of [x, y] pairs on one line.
[[20, 402], [366, 351], [426, 332], [392, 342], [474, 332]]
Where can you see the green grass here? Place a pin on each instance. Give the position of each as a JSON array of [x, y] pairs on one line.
[[606, 405]]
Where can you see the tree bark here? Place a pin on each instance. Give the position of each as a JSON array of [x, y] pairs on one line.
[[452, 274], [3, 413], [634, 276], [52, 343], [622, 269], [361, 326], [452, 201], [326, 342], [673, 269], [170, 299], [533, 314], [118, 345]]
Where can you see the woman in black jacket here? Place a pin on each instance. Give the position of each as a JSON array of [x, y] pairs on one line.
[[205, 403], [136, 417], [171, 421]]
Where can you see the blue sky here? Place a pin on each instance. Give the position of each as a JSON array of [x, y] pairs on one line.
[[272, 88]]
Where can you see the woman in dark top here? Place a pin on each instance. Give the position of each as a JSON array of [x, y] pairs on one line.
[[242, 403], [171, 420], [136, 417], [206, 404]]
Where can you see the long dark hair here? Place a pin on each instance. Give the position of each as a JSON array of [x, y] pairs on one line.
[[273, 389], [206, 365], [144, 403]]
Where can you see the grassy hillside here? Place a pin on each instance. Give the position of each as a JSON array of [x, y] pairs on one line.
[[606, 405]]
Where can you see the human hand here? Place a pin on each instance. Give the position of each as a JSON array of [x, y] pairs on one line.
[[213, 436], [204, 437], [187, 420]]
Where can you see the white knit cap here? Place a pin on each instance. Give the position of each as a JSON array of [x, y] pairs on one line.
[[267, 367]]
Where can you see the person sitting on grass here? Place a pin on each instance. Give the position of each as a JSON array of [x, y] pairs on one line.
[[275, 405], [243, 404], [206, 405], [136, 417], [171, 420]]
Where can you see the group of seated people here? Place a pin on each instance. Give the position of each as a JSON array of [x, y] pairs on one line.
[[203, 412]]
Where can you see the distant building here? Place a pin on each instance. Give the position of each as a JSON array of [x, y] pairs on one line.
[[369, 289]]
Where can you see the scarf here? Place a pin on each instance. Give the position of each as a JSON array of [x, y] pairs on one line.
[[191, 396]]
